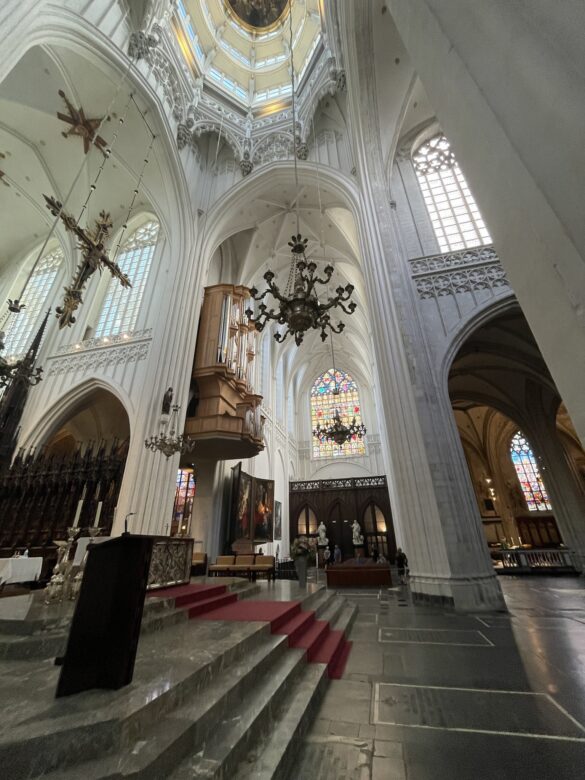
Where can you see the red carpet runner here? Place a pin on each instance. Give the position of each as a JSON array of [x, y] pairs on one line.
[[214, 602]]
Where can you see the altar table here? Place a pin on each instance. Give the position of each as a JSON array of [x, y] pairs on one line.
[[20, 569]]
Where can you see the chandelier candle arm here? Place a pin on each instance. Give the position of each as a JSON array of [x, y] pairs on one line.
[[168, 442]]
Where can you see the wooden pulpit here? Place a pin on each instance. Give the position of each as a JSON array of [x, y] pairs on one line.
[[105, 629]]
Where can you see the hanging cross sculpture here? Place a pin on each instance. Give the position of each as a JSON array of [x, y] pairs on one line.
[[95, 257], [82, 126]]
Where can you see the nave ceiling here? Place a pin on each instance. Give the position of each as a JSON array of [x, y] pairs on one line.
[[39, 160]]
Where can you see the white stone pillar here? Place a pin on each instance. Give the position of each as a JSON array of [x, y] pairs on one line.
[[432, 498]]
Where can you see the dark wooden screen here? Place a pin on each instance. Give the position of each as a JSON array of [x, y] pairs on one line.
[[40, 492], [338, 502]]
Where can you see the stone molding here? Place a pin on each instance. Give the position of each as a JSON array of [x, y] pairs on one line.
[[453, 273], [97, 353]]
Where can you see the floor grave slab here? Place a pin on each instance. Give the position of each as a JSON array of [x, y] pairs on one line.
[[474, 710], [433, 636]]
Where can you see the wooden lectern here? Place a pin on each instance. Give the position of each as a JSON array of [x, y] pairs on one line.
[[105, 629]]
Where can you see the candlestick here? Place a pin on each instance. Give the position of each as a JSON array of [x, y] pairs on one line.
[[78, 513], [97, 514]]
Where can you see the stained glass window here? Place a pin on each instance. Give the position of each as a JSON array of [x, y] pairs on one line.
[[324, 405], [122, 304], [528, 473], [453, 211], [183, 509], [36, 292]]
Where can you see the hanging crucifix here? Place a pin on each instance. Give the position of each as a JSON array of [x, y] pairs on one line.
[[95, 257]]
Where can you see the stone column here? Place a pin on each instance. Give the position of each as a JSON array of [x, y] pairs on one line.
[[432, 497], [207, 507], [557, 474]]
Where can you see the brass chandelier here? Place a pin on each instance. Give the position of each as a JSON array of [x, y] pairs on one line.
[[299, 308], [169, 442], [339, 432]]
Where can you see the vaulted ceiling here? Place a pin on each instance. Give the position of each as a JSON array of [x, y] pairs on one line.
[[37, 159]]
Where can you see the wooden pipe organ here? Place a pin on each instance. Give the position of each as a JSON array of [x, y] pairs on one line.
[[227, 417]]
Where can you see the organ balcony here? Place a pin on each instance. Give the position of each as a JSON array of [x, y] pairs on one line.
[[226, 419]]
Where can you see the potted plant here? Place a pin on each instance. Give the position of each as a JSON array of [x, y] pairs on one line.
[[302, 551]]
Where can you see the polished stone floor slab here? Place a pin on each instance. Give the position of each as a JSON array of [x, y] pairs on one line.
[[471, 709], [433, 636], [429, 694]]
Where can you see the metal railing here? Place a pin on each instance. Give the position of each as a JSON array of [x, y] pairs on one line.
[[533, 560]]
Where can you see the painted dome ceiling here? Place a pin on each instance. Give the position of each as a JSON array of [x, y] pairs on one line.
[[242, 47], [258, 14]]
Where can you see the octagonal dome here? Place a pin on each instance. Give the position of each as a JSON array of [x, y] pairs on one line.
[[242, 47]]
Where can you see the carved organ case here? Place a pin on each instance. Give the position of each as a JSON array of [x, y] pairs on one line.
[[227, 417]]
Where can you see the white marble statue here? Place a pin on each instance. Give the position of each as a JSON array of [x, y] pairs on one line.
[[357, 534], [322, 541]]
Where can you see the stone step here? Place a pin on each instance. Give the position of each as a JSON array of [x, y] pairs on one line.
[[313, 638], [113, 723], [192, 728], [297, 626], [344, 620], [333, 609], [273, 757], [207, 605], [251, 721], [46, 643]]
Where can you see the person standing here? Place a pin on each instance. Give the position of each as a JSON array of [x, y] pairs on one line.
[[337, 554], [401, 565]]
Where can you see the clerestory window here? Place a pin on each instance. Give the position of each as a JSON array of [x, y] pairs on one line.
[[121, 305], [453, 211], [34, 298]]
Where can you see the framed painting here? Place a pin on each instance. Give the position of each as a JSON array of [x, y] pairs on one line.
[[242, 507], [263, 510], [277, 520]]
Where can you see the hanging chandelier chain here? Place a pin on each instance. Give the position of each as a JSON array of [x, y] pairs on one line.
[[336, 390], [105, 158], [134, 196], [299, 308], [294, 123]]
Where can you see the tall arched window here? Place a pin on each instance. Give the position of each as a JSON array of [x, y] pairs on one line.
[[528, 473], [34, 297], [325, 402], [279, 391], [453, 211], [122, 304]]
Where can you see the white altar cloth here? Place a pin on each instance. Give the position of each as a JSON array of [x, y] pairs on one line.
[[19, 569]]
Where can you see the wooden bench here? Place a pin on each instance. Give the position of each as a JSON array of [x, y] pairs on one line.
[[250, 566], [222, 565], [199, 564]]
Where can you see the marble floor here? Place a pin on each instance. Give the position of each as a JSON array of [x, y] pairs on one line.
[[431, 695]]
